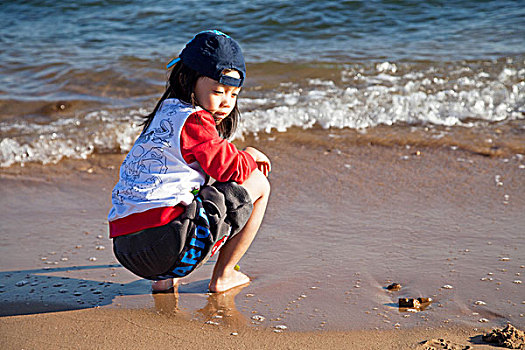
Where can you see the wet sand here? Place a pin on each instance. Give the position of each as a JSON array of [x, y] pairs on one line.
[[345, 219]]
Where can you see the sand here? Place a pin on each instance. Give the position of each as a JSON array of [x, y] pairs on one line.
[[145, 329], [345, 220]]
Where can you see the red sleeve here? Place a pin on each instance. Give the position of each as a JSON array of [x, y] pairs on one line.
[[219, 158]]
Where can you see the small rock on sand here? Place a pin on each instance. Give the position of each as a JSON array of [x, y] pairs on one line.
[[258, 318], [509, 337], [408, 302], [394, 287]]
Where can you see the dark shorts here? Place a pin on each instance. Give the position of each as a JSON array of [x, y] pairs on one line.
[[216, 214]]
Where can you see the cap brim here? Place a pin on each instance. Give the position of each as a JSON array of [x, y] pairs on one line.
[[172, 62]]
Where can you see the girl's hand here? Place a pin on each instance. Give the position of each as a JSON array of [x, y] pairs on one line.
[[263, 163], [264, 168]]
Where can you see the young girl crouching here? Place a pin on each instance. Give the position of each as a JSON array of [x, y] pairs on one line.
[[166, 220]]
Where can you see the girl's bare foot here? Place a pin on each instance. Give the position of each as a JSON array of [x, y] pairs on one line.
[[166, 285], [229, 280]]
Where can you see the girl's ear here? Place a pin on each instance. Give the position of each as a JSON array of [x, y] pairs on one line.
[[193, 100]]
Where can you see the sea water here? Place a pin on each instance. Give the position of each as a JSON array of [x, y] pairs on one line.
[[76, 77]]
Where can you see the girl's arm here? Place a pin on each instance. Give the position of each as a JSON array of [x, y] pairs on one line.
[[219, 158]]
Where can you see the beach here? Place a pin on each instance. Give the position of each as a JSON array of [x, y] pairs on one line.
[[345, 220], [396, 132]]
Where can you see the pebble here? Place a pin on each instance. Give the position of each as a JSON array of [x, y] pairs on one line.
[[21, 283], [504, 259], [480, 302], [58, 284], [64, 259], [211, 322], [100, 247], [281, 327], [77, 294], [78, 246], [314, 287], [100, 236], [277, 330], [483, 320], [486, 278], [249, 295], [63, 290], [394, 287], [97, 291], [258, 318], [408, 302], [234, 333], [517, 281], [447, 286], [92, 258]]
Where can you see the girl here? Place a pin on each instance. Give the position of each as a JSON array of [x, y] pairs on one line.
[[165, 221]]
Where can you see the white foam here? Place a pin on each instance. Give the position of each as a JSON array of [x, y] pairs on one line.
[[422, 97], [384, 94]]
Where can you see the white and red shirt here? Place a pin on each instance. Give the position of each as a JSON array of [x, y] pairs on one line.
[[169, 160]]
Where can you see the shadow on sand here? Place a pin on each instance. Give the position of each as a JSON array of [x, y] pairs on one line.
[[35, 291]]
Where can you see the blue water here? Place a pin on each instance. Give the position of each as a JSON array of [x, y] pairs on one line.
[[92, 33], [96, 65]]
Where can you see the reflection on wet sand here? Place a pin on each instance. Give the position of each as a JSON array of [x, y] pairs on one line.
[[219, 309], [168, 303]]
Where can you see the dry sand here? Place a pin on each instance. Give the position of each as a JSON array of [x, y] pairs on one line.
[[145, 329]]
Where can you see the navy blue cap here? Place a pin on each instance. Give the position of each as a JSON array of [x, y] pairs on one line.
[[209, 53]]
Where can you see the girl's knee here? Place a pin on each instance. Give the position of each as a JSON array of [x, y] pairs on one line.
[[257, 185]]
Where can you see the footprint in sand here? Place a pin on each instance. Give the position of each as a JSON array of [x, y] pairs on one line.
[[442, 344]]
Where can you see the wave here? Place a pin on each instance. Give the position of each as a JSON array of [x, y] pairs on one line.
[[357, 95]]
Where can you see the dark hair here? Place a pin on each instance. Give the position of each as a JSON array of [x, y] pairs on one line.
[[181, 85]]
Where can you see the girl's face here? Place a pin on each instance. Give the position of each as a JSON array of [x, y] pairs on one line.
[[216, 98]]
